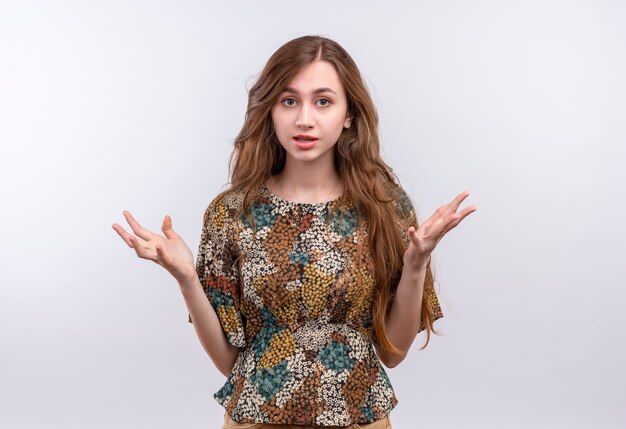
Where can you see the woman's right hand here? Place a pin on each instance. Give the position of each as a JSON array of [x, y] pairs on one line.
[[170, 251]]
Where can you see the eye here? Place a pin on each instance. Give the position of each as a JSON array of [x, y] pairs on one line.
[[324, 102], [289, 102]]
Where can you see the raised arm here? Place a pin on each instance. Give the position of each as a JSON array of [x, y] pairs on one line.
[[171, 252], [404, 318]]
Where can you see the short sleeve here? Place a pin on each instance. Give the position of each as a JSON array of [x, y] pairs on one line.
[[406, 218], [218, 271]]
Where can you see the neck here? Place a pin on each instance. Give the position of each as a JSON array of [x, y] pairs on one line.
[[306, 181]]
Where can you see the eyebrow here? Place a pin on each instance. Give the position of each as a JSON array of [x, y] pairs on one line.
[[317, 91]]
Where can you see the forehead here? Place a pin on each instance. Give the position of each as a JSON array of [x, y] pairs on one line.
[[316, 75]]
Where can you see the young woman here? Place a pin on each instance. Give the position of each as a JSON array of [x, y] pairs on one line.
[[312, 271]]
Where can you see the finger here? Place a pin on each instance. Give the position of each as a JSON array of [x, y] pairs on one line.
[[456, 202], [142, 249], [437, 222], [436, 218], [460, 216], [414, 238], [122, 233], [136, 243], [429, 223], [161, 254], [133, 243], [442, 209], [443, 225], [139, 230], [167, 228], [412, 234]]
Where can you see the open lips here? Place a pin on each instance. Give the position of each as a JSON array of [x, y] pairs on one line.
[[305, 142], [305, 138]]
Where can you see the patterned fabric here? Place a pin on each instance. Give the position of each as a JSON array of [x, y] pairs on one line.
[[229, 423], [296, 296]]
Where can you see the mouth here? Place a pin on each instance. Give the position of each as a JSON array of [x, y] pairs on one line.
[[305, 142], [305, 138]]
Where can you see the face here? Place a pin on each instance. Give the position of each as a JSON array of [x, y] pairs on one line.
[[311, 113]]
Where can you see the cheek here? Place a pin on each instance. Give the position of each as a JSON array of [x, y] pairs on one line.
[[339, 120], [278, 130], [279, 120]]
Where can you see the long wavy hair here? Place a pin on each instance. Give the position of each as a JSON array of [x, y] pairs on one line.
[[366, 178]]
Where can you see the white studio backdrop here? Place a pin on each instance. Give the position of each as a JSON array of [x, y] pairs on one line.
[[108, 106]]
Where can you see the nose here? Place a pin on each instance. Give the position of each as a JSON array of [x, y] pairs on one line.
[[304, 119]]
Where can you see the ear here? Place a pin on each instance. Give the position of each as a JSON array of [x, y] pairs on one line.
[[348, 122]]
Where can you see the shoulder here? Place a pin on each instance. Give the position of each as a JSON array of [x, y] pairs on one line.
[[228, 199], [224, 207], [402, 201]]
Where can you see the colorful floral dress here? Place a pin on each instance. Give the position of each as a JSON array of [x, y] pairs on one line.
[[295, 296]]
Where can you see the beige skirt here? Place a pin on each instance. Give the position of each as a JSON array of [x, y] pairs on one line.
[[229, 423]]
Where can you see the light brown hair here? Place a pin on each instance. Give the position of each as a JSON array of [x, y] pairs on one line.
[[367, 179]]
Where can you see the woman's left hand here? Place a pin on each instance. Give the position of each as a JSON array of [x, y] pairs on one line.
[[423, 241]]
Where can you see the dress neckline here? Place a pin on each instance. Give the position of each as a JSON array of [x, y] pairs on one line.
[[281, 200]]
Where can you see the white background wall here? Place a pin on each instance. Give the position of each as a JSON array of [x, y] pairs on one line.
[[114, 105]]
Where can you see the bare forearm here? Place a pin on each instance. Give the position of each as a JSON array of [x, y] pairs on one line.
[[208, 327], [403, 321]]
